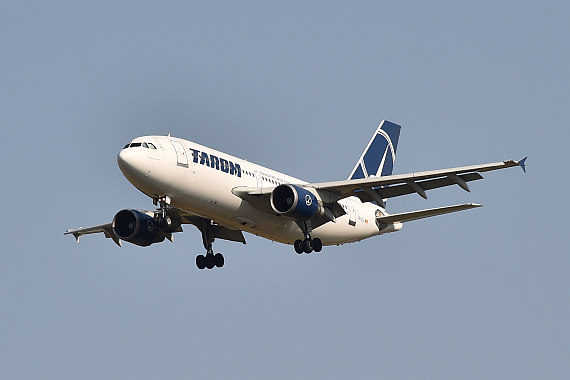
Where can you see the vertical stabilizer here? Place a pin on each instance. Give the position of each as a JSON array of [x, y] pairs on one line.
[[380, 154]]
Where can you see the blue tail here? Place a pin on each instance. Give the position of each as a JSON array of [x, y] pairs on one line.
[[380, 154]]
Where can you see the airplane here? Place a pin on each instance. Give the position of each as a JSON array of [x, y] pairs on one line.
[[223, 196]]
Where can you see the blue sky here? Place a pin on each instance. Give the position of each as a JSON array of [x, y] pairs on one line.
[[298, 87]]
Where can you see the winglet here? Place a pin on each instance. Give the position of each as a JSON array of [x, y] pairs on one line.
[[522, 164]]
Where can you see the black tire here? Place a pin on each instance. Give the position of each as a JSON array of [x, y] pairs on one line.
[[298, 246], [219, 260], [317, 245], [210, 261], [307, 246], [200, 262]]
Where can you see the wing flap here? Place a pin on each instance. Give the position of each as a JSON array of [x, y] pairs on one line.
[[225, 233], [218, 231], [420, 214], [404, 189]]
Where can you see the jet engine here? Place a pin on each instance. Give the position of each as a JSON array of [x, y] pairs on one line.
[[294, 202], [137, 227]]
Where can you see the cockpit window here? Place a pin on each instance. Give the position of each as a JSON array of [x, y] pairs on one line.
[[144, 145]]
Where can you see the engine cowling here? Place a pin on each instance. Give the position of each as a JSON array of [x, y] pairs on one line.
[[294, 202], [137, 228]]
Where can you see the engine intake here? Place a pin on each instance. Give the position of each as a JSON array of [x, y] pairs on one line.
[[137, 228], [294, 202]]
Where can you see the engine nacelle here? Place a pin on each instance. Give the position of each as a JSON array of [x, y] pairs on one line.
[[294, 202], [136, 227]]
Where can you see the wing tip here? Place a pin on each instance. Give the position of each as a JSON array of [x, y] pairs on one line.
[[75, 234]]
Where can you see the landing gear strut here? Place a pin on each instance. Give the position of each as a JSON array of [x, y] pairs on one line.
[[308, 245], [209, 260], [167, 220]]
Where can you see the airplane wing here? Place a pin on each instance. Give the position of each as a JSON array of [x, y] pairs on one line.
[[218, 231], [107, 229], [380, 188]]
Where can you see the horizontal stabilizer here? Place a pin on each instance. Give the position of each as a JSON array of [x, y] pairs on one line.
[[522, 164], [414, 215]]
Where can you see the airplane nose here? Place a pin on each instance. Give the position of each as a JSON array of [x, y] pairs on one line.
[[130, 163], [123, 159]]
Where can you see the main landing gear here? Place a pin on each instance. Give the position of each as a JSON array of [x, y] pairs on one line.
[[308, 245], [209, 260], [170, 222]]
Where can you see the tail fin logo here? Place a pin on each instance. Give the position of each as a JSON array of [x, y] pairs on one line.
[[380, 154]]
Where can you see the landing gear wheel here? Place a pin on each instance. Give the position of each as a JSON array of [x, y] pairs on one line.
[[167, 222], [200, 262], [298, 246], [219, 260], [307, 245], [317, 245], [210, 261]]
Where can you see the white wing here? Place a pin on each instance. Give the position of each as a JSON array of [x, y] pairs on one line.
[[107, 229], [379, 188], [218, 231]]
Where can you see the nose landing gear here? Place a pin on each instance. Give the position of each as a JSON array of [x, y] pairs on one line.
[[169, 221]]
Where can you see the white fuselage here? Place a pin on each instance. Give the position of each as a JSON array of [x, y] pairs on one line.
[[200, 180]]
